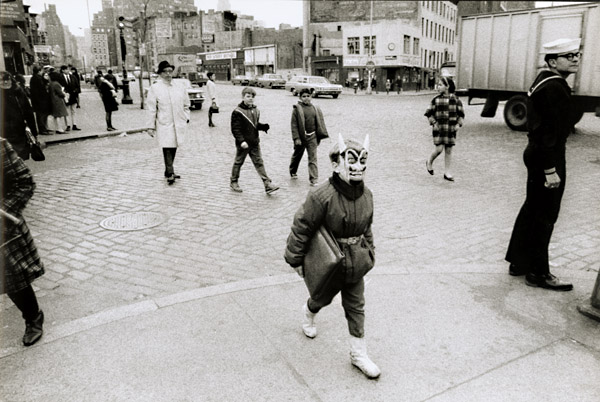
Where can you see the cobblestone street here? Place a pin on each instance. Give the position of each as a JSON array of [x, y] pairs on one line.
[[203, 307], [212, 235]]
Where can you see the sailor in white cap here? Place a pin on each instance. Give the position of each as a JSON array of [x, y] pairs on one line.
[[551, 115]]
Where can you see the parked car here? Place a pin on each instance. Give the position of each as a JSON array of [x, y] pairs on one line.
[[271, 81], [197, 78], [194, 92], [253, 81], [317, 85], [240, 80]]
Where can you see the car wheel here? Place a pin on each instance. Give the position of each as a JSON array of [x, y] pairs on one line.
[[335, 96]]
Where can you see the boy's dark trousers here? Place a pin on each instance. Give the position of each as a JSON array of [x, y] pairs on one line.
[[255, 156], [311, 149]]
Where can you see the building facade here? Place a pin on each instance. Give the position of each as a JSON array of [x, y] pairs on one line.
[[405, 41]]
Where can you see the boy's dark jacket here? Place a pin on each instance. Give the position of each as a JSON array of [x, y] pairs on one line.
[[245, 124], [298, 131]]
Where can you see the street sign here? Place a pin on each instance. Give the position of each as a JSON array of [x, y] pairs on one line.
[[370, 65]]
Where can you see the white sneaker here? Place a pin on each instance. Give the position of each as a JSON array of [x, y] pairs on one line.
[[308, 322], [359, 358]]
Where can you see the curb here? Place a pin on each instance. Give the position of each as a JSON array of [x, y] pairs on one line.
[[64, 139]]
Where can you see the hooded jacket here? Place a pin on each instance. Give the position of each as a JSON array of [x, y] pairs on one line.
[[347, 211]]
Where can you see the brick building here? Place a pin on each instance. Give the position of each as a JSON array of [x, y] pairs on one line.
[[19, 31]]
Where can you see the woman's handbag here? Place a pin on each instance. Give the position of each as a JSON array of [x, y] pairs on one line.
[[321, 261], [34, 146]]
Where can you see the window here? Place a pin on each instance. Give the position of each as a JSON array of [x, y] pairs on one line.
[[416, 46], [354, 45], [326, 52], [406, 44], [370, 44]]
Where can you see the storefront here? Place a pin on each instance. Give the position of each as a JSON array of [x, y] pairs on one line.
[[329, 67], [225, 64]]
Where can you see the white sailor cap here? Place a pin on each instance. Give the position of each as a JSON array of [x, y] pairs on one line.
[[561, 46]]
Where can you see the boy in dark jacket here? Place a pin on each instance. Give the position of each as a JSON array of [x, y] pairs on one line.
[[245, 125], [344, 205], [308, 128]]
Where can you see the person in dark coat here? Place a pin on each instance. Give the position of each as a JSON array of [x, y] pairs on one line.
[[72, 88], [112, 79], [17, 114], [109, 99], [245, 125], [20, 264], [40, 99], [344, 205], [57, 98], [550, 118], [97, 79], [308, 128], [76, 84]]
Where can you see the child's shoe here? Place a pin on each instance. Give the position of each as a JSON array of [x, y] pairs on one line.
[[359, 358], [308, 322]]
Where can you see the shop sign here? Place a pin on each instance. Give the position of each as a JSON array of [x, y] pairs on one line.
[[208, 38], [221, 56]]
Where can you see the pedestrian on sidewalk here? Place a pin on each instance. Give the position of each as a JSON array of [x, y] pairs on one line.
[[20, 264], [211, 88], [108, 94], [17, 115], [374, 85], [77, 84], [551, 114], [112, 79], [328, 206], [388, 86], [40, 99], [70, 85], [57, 97], [168, 115], [445, 114], [308, 129], [245, 125]]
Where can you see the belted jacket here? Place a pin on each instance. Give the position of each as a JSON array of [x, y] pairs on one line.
[[298, 129], [347, 211]]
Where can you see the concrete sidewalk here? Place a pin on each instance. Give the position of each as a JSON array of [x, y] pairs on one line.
[[449, 335]]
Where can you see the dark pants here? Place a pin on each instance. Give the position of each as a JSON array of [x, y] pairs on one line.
[[169, 157], [255, 157], [311, 148], [42, 122], [528, 247], [353, 302], [26, 302]]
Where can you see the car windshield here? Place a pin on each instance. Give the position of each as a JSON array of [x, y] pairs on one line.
[[318, 80]]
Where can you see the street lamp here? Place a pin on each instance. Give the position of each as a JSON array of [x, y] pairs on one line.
[[126, 98]]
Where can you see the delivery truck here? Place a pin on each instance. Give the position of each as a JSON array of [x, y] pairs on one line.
[[500, 54]]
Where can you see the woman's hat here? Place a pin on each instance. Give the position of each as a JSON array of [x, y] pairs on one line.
[[162, 65]]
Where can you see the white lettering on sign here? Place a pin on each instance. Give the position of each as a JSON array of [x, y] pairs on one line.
[[221, 56]]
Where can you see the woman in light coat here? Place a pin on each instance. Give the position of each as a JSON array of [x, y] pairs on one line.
[[168, 115], [211, 88]]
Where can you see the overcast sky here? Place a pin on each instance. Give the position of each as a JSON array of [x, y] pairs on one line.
[[74, 13]]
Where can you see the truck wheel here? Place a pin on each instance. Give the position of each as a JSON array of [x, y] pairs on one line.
[[515, 113]]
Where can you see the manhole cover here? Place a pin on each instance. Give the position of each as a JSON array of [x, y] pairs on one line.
[[132, 221]]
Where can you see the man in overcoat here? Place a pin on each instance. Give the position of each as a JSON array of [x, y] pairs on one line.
[[168, 115], [550, 118]]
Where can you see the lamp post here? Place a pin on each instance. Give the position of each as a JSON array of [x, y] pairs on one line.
[[126, 98]]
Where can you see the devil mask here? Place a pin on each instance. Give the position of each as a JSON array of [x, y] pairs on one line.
[[349, 159]]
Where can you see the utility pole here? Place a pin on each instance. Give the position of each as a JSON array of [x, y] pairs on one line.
[[370, 57]]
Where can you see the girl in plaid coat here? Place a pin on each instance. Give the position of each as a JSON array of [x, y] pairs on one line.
[[20, 264], [445, 113]]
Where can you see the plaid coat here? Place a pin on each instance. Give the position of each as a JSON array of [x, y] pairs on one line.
[[447, 111], [20, 263]]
